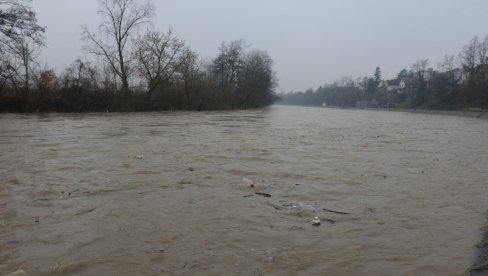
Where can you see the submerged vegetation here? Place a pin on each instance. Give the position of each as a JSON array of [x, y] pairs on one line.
[[131, 71], [460, 82]]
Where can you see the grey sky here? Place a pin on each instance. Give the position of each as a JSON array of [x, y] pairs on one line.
[[311, 41]]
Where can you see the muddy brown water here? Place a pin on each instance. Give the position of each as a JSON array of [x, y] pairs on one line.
[[163, 193]]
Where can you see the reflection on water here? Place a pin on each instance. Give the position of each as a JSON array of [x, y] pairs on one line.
[[163, 193]]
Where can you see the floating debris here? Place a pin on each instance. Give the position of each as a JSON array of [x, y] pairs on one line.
[[263, 194], [248, 182], [335, 212], [74, 191], [331, 221], [316, 221]]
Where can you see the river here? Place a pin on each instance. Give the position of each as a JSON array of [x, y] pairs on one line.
[[170, 193]]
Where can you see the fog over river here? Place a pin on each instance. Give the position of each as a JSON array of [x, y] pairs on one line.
[[170, 193]]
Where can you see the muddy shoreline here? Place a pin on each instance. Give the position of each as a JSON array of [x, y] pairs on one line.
[[481, 113], [480, 266], [471, 113]]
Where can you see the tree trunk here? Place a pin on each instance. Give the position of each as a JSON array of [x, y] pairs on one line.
[[27, 80], [188, 97], [123, 72], [125, 84]]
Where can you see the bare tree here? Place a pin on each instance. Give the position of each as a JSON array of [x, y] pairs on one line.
[[158, 56], [447, 64], [227, 63], [419, 67], [483, 52], [346, 81], [28, 51], [24, 51], [469, 57], [419, 94], [256, 80], [120, 19], [47, 85], [17, 20], [190, 72], [81, 74], [8, 71], [21, 38]]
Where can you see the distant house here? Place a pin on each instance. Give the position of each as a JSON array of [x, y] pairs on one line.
[[460, 76], [396, 85]]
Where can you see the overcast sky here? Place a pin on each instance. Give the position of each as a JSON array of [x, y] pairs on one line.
[[311, 41]]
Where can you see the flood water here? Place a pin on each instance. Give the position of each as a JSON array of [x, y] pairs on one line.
[[165, 194]]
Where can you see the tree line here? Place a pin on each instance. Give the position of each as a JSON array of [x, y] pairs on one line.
[[131, 71], [458, 82]]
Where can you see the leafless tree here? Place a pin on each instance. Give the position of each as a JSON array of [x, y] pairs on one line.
[[256, 80], [448, 66], [21, 38], [17, 20], [227, 63], [158, 56], [47, 80], [419, 68], [474, 58], [81, 74], [469, 56], [483, 52], [346, 81], [121, 18], [189, 69], [24, 51], [448, 63], [8, 71]]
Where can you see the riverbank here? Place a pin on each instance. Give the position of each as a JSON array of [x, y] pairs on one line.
[[480, 266], [472, 112]]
